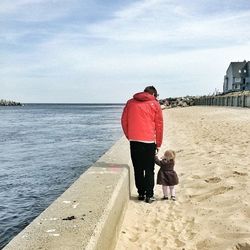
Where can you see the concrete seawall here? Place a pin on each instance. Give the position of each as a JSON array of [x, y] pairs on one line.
[[88, 215], [234, 100]]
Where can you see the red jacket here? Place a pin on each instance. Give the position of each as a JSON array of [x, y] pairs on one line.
[[142, 119]]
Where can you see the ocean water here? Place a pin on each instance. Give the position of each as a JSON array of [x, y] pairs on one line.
[[44, 148]]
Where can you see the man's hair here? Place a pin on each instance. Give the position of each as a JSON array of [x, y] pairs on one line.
[[151, 90]]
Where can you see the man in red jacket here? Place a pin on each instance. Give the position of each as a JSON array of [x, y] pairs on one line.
[[142, 124]]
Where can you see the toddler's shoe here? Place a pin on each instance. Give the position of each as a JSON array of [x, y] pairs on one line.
[[164, 198], [173, 198]]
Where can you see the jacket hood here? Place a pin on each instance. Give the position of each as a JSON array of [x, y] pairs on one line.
[[143, 96]]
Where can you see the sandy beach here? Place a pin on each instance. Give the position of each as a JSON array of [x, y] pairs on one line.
[[212, 210]]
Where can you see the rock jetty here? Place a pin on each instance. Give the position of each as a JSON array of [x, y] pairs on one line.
[[177, 102], [9, 103]]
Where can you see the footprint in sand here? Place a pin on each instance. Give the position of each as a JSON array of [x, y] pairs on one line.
[[213, 180], [239, 173], [222, 190], [206, 196], [247, 212], [196, 177], [133, 238], [179, 243], [182, 231], [209, 244], [187, 233], [234, 236], [156, 222], [242, 246]]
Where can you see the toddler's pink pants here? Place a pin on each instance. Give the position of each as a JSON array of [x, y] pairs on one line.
[[166, 190]]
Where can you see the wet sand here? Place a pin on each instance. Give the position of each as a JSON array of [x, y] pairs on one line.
[[212, 210]]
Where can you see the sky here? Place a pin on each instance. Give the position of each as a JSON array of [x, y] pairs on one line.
[[95, 51]]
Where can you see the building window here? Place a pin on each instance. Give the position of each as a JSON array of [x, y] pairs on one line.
[[237, 79]]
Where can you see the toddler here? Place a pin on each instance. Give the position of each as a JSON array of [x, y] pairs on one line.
[[167, 177]]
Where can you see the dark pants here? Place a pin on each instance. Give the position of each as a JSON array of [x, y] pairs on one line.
[[142, 155]]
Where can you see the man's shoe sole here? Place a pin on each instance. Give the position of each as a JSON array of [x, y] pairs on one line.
[[148, 200], [140, 198]]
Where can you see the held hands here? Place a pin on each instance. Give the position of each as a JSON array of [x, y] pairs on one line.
[[157, 150]]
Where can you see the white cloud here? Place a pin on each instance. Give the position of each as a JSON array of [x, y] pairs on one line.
[[162, 21]]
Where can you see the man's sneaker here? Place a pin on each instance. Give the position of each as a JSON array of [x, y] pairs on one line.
[[173, 198], [150, 199], [141, 197]]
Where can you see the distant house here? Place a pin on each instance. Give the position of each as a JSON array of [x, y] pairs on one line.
[[237, 77]]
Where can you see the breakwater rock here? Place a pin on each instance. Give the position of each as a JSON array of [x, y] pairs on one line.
[[177, 102], [9, 103]]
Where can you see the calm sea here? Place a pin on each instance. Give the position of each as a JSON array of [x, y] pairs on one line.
[[44, 148]]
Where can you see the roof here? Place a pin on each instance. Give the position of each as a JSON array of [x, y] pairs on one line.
[[237, 67]]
